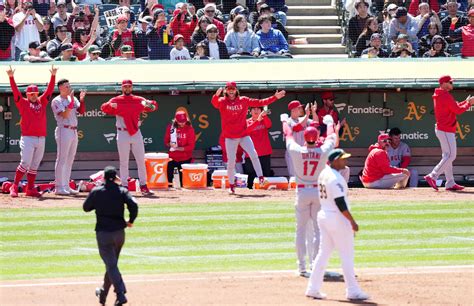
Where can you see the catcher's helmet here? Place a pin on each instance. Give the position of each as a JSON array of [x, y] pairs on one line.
[[311, 134]]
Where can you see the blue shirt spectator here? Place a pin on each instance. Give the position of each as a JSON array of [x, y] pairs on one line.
[[403, 24], [271, 40], [241, 40]]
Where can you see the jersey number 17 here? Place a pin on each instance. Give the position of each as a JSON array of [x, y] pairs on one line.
[[310, 164]]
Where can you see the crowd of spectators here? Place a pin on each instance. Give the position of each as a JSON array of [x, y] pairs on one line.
[[424, 28], [78, 30]]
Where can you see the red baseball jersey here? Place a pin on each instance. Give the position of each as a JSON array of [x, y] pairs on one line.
[[258, 131], [127, 39], [186, 140], [129, 108], [446, 109], [377, 165], [234, 113], [33, 115]]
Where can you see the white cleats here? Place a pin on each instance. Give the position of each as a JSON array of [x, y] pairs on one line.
[[359, 296], [316, 295]]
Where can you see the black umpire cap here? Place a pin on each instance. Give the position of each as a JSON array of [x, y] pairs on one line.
[[110, 173]]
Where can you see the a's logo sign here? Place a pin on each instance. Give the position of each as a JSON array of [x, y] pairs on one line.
[[195, 177], [415, 112], [350, 133], [340, 106], [275, 135], [462, 130], [109, 137]]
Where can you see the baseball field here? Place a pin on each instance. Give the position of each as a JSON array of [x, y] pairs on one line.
[[204, 247]]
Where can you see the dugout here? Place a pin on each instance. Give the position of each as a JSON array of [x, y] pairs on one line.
[[373, 95]]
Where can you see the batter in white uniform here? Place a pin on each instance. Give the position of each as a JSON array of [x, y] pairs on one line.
[[65, 109], [308, 161], [337, 227]]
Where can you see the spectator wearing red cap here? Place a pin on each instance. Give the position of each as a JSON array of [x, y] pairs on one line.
[[298, 121], [181, 140], [258, 126], [446, 108], [33, 130], [378, 173], [180, 25], [467, 34], [179, 52], [233, 109], [328, 109], [127, 109], [121, 35], [159, 36]]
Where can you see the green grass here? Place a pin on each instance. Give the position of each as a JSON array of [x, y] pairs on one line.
[[53, 242]]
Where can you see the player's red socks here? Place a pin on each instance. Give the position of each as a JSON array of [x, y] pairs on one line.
[[31, 176], [20, 171]]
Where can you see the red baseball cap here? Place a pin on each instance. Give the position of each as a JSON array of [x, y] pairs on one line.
[[311, 134], [470, 13], [127, 82], [294, 104], [383, 137], [32, 89], [181, 117], [327, 95], [122, 18], [445, 79], [231, 84], [179, 36]]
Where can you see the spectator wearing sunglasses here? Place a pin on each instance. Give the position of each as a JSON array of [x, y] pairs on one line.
[[217, 14], [438, 48], [378, 173], [54, 46], [210, 12], [214, 47]]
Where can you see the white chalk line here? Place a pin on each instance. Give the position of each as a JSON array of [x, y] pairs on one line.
[[251, 275]]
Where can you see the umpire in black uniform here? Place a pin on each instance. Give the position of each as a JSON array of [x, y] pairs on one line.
[[108, 201]]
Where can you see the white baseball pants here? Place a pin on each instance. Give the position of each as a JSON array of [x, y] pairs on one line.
[[306, 209], [336, 233], [125, 142], [66, 141], [389, 181], [231, 145], [448, 148], [289, 164], [32, 151]]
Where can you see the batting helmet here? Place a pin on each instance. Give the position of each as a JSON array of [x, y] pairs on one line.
[[311, 134]]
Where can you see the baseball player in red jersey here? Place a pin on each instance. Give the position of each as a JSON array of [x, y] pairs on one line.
[[328, 109], [257, 128], [308, 162], [33, 131], [180, 152], [378, 173], [233, 109], [127, 109], [446, 109]]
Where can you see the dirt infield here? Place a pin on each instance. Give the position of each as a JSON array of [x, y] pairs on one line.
[[427, 286], [244, 195]]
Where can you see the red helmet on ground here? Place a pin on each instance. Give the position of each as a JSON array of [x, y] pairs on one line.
[[32, 89], [311, 134]]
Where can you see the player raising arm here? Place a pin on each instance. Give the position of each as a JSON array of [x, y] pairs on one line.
[[33, 130]]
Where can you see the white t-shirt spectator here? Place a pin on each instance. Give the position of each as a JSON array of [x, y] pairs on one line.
[[214, 50], [179, 55], [29, 31]]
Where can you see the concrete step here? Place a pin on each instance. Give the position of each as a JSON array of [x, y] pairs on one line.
[[312, 21], [324, 10], [313, 29], [317, 49], [319, 55], [318, 38], [307, 2]]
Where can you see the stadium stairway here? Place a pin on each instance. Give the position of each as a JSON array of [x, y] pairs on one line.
[[313, 29]]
